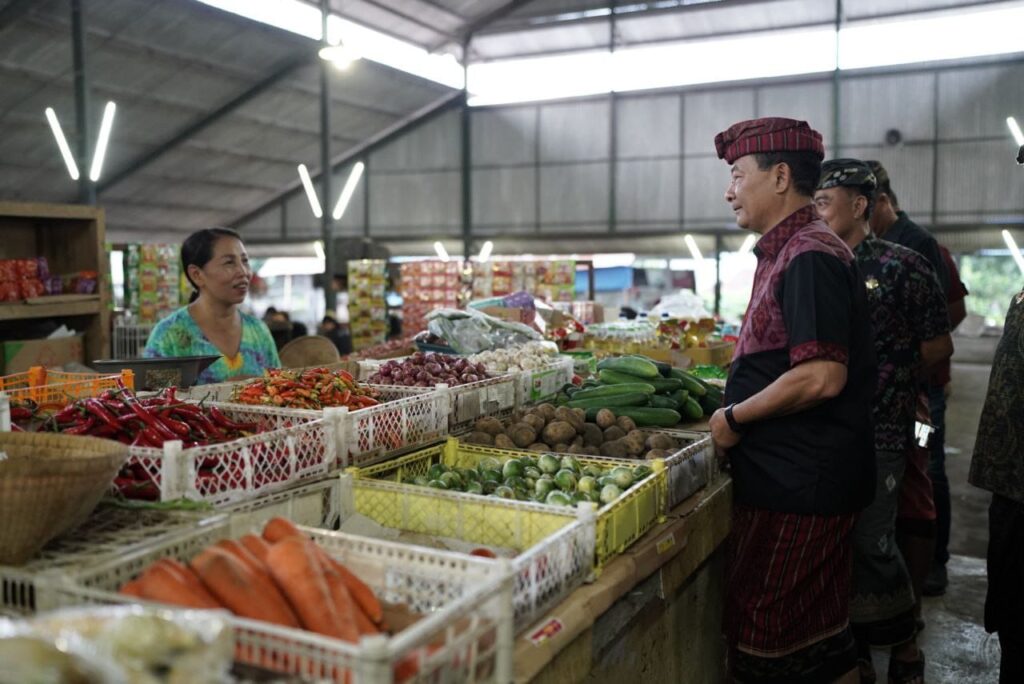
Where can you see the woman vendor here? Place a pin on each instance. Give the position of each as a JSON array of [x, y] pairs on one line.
[[217, 267]]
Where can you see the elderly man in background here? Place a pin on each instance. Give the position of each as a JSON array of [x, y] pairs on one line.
[[908, 312], [797, 426]]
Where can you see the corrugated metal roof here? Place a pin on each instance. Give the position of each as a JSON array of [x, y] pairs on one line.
[[169, 65]]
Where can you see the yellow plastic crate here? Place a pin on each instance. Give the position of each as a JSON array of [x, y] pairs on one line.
[[619, 523]]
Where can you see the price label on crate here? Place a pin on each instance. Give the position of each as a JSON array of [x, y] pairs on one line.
[[546, 631]]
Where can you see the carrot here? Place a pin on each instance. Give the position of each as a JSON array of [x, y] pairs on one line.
[[241, 553], [300, 576], [363, 623], [161, 583], [240, 589], [257, 546], [277, 529], [187, 575], [361, 593], [343, 603], [131, 588]]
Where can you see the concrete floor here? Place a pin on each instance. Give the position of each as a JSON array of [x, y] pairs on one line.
[[956, 646]]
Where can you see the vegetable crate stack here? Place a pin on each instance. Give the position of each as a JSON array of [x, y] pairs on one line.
[[373, 422], [428, 285], [542, 372], [632, 497], [474, 391], [367, 308], [551, 549], [325, 605]]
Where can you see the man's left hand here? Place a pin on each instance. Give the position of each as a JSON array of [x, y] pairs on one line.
[[722, 435]]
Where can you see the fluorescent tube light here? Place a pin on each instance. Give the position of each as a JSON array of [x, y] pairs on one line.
[[307, 183], [748, 244], [62, 143], [692, 245], [348, 190], [1018, 136], [441, 251], [102, 141], [341, 56], [318, 247], [485, 252], [1014, 250]]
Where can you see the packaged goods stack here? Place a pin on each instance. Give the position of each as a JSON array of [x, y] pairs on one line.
[[367, 308], [151, 281], [556, 280], [428, 285]]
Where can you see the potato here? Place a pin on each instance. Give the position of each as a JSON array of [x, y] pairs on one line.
[[522, 434], [578, 441], [592, 435], [660, 441], [634, 443], [538, 446], [567, 415], [581, 414], [561, 448], [605, 419], [591, 451], [491, 426], [577, 449], [478, 437], [503, 442], [614, 449], [656, 453], [535, 420], [626, 423], [547, 410], [613, 433], [558, 432]]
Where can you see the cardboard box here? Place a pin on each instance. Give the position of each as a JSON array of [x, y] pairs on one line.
[[718, 354], [20, 355]]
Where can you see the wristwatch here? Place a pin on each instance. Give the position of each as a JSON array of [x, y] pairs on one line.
[[731, 420]]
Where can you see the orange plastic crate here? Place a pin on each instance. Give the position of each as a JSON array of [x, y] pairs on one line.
[[53, 390]]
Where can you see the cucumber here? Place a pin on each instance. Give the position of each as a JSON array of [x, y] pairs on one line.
[[692, 410], [691, 384], [612, 390], [641, 368], [666, 385], [663, 368], [680, 396], [612, 402], [708, 404], [715, 394], [662, 401], [660, 385], [650, 417]]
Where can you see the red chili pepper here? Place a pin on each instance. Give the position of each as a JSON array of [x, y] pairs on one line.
[[137, 489], [176, 426], [96, 408], [81, 428], [16, 428]]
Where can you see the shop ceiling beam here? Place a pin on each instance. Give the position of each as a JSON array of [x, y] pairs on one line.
[[409, 18], [13, 11], [326, 199], [399, 128], [284, 71], [482, 22], [86, 187], [433, 4]]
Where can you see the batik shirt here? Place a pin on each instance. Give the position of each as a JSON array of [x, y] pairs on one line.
[[907, 233], [808, 302], [179, 335], [907, 307], [998, 462]]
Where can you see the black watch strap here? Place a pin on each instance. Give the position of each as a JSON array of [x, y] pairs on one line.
[[731, 420]]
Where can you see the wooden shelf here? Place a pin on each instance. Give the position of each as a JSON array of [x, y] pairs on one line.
[[17, 311]]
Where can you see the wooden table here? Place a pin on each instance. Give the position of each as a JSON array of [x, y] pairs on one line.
[[654, 614]]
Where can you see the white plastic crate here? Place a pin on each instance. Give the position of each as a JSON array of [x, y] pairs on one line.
[[692, 467], [496, 396], [316, 504], [129, 339], [406, 418], [296, 448], [464, 634], [107, 532], [554, 548], [541, 384]]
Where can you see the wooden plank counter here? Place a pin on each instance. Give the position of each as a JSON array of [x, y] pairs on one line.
[[654, 614]]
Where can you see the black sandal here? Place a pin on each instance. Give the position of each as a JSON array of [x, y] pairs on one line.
[[906, 672]]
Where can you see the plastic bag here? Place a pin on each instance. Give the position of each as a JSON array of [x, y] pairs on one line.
[[471, 332]]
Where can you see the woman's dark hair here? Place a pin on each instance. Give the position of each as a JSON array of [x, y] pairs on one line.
[[804, 168], [197, 250]]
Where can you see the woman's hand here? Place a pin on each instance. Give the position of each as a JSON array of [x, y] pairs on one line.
[[722, 435]]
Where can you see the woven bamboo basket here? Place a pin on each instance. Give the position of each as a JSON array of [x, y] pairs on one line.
[[311, 350], [50, 484]]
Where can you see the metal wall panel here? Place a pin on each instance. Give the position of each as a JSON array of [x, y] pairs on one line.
[[704, 183], [434, 145], [505, 135], [423, 201], [302, 225], [871, 105], [647, 190], [574, 131], [979, 177], [810, 102], [975, 102], [648, 126], [573, 193], [504, 197], [265, 226], [910, 173], [707, 113]]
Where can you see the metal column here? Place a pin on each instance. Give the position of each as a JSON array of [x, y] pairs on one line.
[[86, 188], [467, 177], [327, 221], [613, 133], [836, 86]]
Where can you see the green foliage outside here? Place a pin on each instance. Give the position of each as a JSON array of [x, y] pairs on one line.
[[992, 281]]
